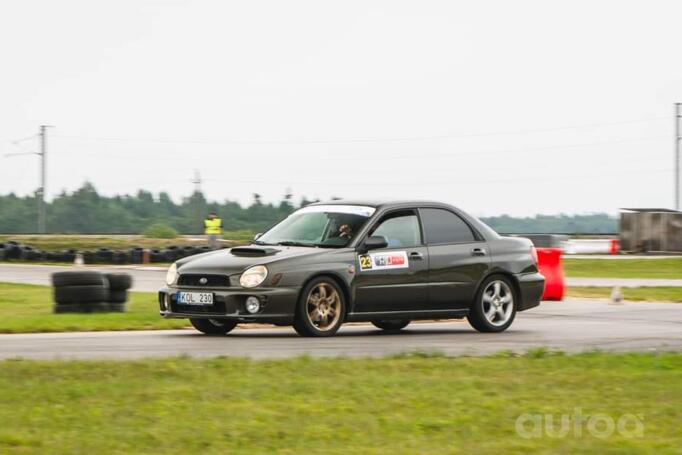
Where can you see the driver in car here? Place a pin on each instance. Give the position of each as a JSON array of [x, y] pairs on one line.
[[345, 231]]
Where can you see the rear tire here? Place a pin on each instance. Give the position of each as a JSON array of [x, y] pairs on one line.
[[391, 325], [213, 326], [495, 306]]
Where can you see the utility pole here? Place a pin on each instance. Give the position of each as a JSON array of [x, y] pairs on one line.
[[196, 196], [43, 179], [197, 181], [678, 115]]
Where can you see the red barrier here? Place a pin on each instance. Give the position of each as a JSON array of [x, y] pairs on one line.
[[614, 246], [549, 263]]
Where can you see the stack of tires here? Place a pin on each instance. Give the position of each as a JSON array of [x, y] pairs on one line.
[[90, 292], [80, 292], [119, 283]]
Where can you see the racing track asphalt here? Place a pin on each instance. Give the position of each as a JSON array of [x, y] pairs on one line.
[[574, 325]]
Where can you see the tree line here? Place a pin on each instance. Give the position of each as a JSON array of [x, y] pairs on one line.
[[85, 211]]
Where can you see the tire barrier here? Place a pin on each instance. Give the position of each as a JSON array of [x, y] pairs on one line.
[[549, 263], [156, 255], [90, 292], [136, 255], [13, 250]]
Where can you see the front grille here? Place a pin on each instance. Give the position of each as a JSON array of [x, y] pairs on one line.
[[212, 281]]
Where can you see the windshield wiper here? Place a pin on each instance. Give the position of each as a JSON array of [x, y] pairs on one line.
[[259, 242], [292, 243]]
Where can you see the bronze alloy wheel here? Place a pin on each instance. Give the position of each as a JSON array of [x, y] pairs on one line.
[[323, 307]]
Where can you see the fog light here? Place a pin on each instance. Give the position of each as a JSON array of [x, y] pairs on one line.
[[252, 304], [167, 302]]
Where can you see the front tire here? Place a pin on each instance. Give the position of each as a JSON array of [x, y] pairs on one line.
[[390, 325], [213, 326], [495, 306], [321, 309]]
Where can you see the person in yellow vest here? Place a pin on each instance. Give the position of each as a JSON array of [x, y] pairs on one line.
[[213, 228]]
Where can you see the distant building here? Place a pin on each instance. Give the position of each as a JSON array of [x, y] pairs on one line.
[[653, 230]]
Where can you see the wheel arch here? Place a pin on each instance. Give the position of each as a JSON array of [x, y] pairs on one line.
[[499, 272], [345, 289]]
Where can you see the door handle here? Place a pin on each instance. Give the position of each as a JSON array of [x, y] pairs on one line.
[[416, 256], [478, 252]]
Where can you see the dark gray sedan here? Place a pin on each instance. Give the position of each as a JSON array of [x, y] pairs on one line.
[[384, 262]]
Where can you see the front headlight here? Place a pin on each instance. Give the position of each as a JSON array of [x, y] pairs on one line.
[[253, 277], [172, 274]]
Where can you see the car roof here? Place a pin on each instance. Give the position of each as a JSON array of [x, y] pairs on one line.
[[382, 203]]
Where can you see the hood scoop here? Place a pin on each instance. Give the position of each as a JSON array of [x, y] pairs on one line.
[[252, 251]]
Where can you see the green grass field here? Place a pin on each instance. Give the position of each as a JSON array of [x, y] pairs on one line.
[[28, 308], [643, 294], [670, 268], [409, 404]]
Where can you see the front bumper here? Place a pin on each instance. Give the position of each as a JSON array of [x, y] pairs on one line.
[[531, 285], [278, 305]]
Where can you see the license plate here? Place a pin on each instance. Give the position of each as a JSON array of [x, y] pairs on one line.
[[195, 298]]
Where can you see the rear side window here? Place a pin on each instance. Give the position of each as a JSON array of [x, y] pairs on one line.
[[443, 226]]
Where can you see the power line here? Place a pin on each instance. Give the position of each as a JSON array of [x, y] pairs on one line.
[[520, 150], [447, 153], [40, 192], [563, 176], [359, 140], [17, 141]]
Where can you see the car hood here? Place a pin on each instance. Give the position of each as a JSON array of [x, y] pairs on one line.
[[238, 259]]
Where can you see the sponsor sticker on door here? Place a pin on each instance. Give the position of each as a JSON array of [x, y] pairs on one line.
[[384, 261]]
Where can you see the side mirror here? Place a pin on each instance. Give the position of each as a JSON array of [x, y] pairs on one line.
[[374, 242], [257, 236]]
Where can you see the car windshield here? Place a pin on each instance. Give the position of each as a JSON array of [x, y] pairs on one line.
[[327, 226]]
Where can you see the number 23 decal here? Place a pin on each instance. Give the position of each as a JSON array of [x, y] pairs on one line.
[[365, 262]]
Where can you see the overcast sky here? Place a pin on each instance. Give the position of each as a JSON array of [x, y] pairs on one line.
[[516, 107]]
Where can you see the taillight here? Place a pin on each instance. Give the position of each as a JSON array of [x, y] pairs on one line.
[[534, 254]]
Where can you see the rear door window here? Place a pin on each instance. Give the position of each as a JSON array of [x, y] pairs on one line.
[[443, 226]]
